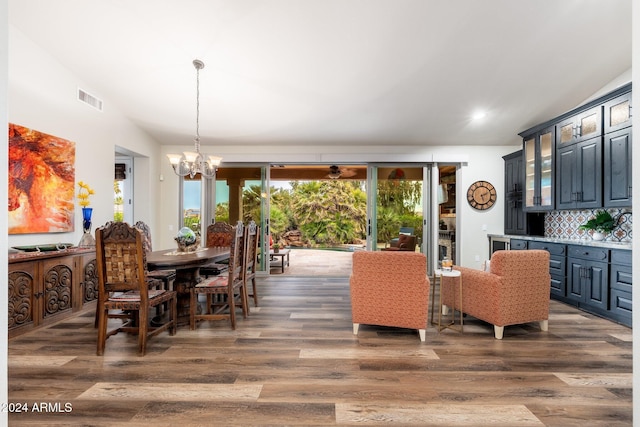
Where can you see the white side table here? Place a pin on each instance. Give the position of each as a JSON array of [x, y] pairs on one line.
[[450, 278]]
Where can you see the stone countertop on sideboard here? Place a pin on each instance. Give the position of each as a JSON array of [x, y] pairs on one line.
[[583, 242]]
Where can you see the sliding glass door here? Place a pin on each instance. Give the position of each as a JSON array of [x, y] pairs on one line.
[[241, 194], [398, 202], [400, 199]]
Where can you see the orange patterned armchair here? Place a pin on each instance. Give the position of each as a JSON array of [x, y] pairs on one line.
[[390, 289], [514, 291]]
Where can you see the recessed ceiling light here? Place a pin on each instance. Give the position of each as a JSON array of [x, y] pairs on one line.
[[479, 115]]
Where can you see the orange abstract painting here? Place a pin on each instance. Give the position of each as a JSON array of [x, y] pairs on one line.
[[41, 182]]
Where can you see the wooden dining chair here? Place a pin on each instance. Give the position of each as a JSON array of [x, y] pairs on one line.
[[123, 288], [230, 286], [166, 276], [251, 240], [219, 234], [152, 282]]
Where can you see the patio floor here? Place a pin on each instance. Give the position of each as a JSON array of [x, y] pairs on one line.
[[316, 262]]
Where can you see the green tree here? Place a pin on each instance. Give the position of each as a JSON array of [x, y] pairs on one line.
[[330, 212], [388, 224], [222, 212], [252, 203], [118, 201], [397, 205]]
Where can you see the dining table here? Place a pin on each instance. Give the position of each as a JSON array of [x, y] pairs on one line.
[[187, 266]]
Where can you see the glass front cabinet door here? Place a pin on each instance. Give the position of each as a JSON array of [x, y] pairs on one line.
[[580, 127], [538, 158], [617, 113]]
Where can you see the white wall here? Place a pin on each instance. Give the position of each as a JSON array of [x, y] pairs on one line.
[[473, 226], [42, 96]]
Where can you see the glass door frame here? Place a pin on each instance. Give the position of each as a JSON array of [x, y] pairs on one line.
[[126, 186], [429, 242], [209, 202]]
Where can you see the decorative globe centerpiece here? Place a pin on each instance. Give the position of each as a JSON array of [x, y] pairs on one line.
[[187, 240]]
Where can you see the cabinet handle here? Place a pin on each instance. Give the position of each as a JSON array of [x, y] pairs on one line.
[[578, 131]]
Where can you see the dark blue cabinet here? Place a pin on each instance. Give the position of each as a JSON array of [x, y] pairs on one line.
[[621, 282], [579, 175], [588, 278], [617, 168], [557, 265]]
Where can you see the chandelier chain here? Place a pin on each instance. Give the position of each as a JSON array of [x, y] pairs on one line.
[[194, 163], [198, 104]]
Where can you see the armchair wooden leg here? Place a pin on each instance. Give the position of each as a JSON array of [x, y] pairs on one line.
[[356, 326], [423, 334], [498, 331], [544, 325]]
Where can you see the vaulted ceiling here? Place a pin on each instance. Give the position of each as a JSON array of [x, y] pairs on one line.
[[335, 72]]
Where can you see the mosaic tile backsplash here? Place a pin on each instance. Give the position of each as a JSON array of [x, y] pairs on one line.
[[565, 224]]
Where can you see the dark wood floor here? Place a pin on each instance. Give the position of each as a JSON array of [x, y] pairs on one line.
[[295, 361]]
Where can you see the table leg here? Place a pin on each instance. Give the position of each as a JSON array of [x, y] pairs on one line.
[[185, 280], [457, 291]]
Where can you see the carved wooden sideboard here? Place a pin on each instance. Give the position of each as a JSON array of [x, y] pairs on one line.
[[45, 287]]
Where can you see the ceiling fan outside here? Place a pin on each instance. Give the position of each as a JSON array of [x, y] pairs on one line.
[[336, 172]]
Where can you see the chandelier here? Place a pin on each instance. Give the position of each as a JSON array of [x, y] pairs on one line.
[[194, 162]]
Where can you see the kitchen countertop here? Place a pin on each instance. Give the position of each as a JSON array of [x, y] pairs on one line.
[[583, 242]]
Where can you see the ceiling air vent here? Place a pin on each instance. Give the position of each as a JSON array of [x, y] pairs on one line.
[[89, 99]]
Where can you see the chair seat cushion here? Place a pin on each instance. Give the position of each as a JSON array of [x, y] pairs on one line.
[[220, 281], [135, 295]]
